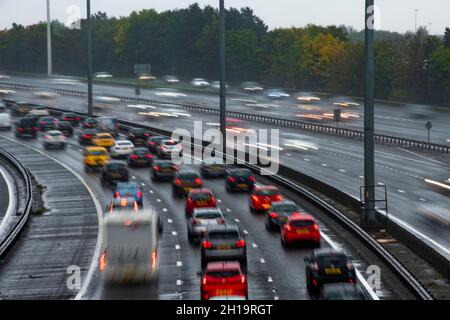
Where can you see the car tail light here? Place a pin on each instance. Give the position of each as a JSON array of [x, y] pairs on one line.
[[149, 156], [146, 134], [77, 118], [314, 282], [204, 281], [350, 280], [163, 148], [207, 244], [221, 221], [178, 182], [315, 227], [65, 119], [102, 262], [86, 136], [212, 202], [252, 179], [231, 179], [255, 198], [133, 156], [20, 129], [131, 135], [175, 168], [278, 197], [287, 227], [273, 214], [33, 128], [198, 181], [350, 266], [152, 143], [242, 279], [240, 243], [156, 168], [196, 221], [139, 194], [154, 258], [189, 200]]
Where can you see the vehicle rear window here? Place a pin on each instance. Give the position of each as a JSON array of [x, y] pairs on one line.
[[188, 176], [201, 196], [208, 215], [141, 151], [97, 153], [241, 173], [223, 274], [103, 137], [267, 192], [164, 164], [116, 166], [302, 223], [54, 134], [338, 260], [223, 235], [284, 208], [124, 144]]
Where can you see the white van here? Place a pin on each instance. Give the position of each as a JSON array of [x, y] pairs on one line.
[[129, 247], [5, 120]]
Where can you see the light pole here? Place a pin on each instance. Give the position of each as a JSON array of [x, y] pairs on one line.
[[222, 76], [89, 49], [369, 217], [49, 41]]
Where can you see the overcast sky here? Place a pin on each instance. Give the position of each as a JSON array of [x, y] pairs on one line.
[[396, 15]]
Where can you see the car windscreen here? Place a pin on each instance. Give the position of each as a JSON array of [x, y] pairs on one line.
[[223, 235], [104, 137], [54, 134], [208, 215], [141, 151], [139, 132], [124, 144]]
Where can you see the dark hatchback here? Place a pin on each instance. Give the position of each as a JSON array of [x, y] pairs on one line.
[[163, 170], [113, 172], [26, 127], [328, 266], [138, 136], [140, 157], [86, 135], [211, 169], [239, 180], [73, 118], [65, 127], [279, 214], [47, 123], [89, 123], [154, 142], [184, 182]]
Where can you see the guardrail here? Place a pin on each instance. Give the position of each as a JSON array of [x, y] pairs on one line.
[[296, 177], [14, 232], [312, 127]]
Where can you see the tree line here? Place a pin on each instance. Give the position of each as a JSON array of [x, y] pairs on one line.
[[184, 42]]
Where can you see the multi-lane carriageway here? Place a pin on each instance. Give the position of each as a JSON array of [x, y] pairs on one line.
[[338, 162], [274, 273]]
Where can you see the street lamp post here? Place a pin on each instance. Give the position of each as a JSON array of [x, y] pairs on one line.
[[49, 41], [222, 76], [89, 53]]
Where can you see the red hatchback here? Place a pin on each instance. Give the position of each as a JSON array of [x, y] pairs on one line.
[[224, 278], [261, 198], [300, 228], [199, 198]]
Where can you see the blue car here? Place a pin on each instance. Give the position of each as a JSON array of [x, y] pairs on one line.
[[129, 189]]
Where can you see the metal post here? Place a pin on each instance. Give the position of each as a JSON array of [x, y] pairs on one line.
[[89, 48], [222, 76], [369, 145], [49, 41]]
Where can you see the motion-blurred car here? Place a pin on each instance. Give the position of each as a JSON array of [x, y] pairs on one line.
[[345, 102], [279, 214], [129, 189], [89, 123], [434, 206], [47, 123], [153, 143], [239, 180], [276, 94], [306, 97], [4, 77], [26, 126], [200, 83], [223, 243], [223, 279], [300, 228], [40, 111], [108, 125], [298, 143], [5, 121], [171, 79], [200, 219], [261, 198], [105, 140], [163, 170], [341, 291], [169, 147], [73, 118], [328, 266], [121, 149], [170, 93], [138, 136], [251, 87], [102, 75], [210, 168], [184, 181], [216, 85], [65, 127], [21, 108], [95, 157], [114, 172], [85, 135], [46, 94], [54, 139], [147, 77], [441, 186], [199, 198], [140, 157]]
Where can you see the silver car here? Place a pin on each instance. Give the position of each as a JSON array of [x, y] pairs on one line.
[[201, 218], [168, 147], [55, 139]]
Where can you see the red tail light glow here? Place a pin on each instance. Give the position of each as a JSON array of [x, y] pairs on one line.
[[204, 281], [139, 194], [133, 156], [252, 179], [154, 258], [86, 136], [288, 227], [178, 182], [273, 214], [149, 156], [221, 221], [242, 279], [207, 244], [117, 195], [240, 243], [198, 181], [315, 227], [196, 221], [156, 168], [231, 179]]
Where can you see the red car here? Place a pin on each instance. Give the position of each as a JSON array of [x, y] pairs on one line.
[[261, 198], [300, 228], [224, 278], [199, 198]]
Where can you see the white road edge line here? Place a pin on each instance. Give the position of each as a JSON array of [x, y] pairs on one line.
[[94, 262], [361, 279], [11, 195]]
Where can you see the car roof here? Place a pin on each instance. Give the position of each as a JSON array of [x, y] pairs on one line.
[[266, 188], [323, 252], [236, 170], [223, 265], [104, 134], [95, 149], [206, 210], [126, 184], [54, 132], [187, 172], [116, 162], [284, 202], [302, 217], [222, 227]]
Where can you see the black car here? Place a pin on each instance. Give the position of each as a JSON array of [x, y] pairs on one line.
[[209, 169], [89, 123], [328, 266], [223, 243], [279, 214], [185, 181], [113, 172], [163, 170], [65, 127], [154, 142], [140, 157], [239, 180], [86, 135], [342, 291], [138, 136], [47, 123], [26, 126], [73, 118]]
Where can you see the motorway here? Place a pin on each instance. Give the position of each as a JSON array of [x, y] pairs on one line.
[[338, 162], [274, 273]]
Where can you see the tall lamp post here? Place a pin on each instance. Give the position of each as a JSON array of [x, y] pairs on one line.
[[222, 76], [89, 53], [49, 41]]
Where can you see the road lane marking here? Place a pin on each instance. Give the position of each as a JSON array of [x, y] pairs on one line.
[[401, 191]]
